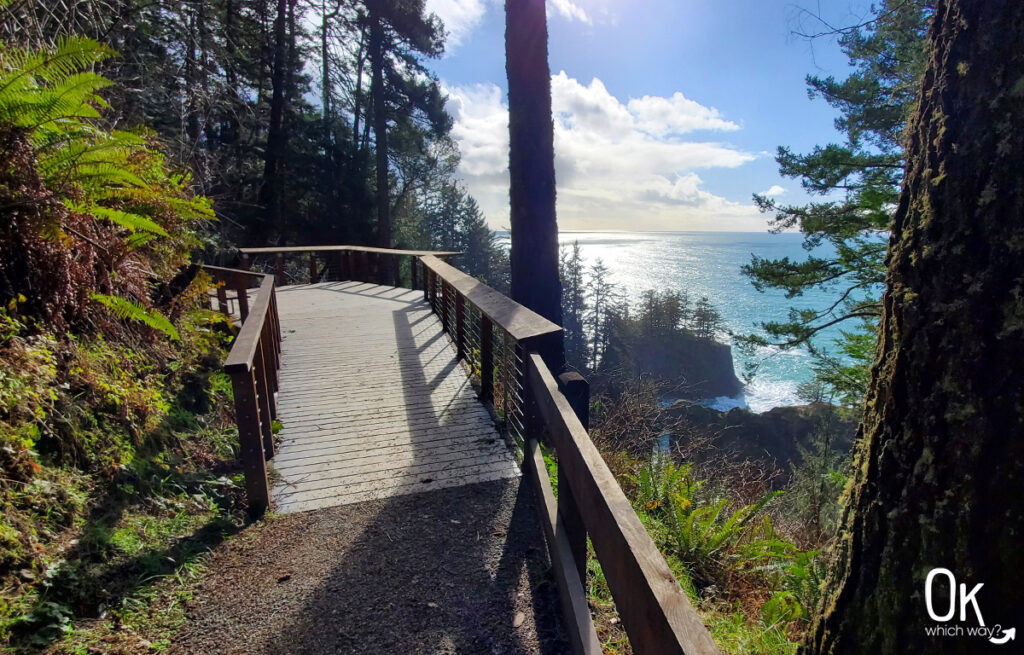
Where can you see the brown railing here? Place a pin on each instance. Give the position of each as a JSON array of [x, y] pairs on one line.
[[656, 614], [311, 264], [253, 364]]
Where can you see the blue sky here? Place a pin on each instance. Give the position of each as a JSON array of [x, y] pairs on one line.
[[667, 113]]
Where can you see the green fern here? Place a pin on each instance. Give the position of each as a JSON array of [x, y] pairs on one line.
[[131, 222], [127, 310], [47, 87], [113, 175]]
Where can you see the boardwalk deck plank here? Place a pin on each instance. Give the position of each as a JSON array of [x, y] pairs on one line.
[[373, 401]]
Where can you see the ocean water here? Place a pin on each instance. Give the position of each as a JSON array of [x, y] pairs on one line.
[[708, 264]]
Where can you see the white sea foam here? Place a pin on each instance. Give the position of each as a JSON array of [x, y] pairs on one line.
[[758, 396], [725, 403]]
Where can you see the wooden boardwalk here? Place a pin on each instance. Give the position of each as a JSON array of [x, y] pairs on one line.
[[373, 400]]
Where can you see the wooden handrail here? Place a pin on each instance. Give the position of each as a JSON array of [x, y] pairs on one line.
[[246, 344], [522, 324], [655, 612], [657, 615], [253, 364], [362, 263], [388, 251]]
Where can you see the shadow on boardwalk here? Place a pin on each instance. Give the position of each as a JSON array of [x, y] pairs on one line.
[[461, 569]]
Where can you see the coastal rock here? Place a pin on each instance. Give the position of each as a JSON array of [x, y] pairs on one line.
[[691, 368], [774, 436]]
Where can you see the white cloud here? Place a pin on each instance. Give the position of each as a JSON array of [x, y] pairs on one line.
[[481, 129], [773, 190], [570, 10], [660, 116], [460, 17], [618, 165]]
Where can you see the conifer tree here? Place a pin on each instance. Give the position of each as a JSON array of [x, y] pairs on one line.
[[858, 181], [939, 475]]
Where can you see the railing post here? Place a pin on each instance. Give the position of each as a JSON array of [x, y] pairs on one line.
[[576, 390], [364, 266], [314, 272], [414, 272], [254, 464], [245, 262], [342, 265], [460, 325], [222, 298], [243, 299], [486, 359], [397, 270], [279, 269]]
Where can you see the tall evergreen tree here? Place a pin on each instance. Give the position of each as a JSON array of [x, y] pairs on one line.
[[270, 192], [534, 256], [939, 480], [602, 300], [574, 306], [401, 89], [859, 182]]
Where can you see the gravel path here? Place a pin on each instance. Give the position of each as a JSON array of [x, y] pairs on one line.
[[459, 570]]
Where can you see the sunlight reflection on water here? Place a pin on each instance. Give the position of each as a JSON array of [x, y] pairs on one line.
[[708, 264]]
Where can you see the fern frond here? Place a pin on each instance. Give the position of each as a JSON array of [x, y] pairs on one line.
[[127, 310], [71, 55], [139, 239], [129, 221]]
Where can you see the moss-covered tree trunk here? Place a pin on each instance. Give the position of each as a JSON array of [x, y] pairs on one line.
[[940, 476], [534, 253]]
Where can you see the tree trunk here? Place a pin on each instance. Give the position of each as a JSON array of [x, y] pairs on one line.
[[358, 92], [270, 191], [534, 254], [940, 474], [380, 125], [188, 148], [325, 84]]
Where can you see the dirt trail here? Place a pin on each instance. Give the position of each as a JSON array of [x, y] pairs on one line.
[[459, 570]]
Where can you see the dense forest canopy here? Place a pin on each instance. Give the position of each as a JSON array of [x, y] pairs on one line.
[[303, 122]]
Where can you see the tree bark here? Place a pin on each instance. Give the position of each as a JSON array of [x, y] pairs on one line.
[[534, 253], [380, 125], [939, 480]]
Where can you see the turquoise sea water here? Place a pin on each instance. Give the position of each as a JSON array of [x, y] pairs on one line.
[[708, 264]]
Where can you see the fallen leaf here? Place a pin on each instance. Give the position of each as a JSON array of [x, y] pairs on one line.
[[520, 617]]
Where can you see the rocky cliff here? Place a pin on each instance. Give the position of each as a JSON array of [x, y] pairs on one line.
[[774, 436], [690, 367]]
